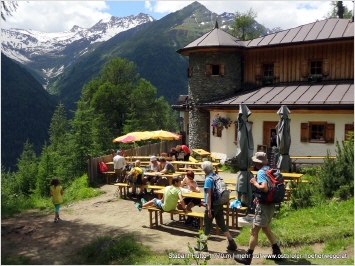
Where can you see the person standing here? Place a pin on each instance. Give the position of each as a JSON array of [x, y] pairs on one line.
[[186, 151], [263, 212], [119, 163], [213, 211], [56, 192], [273, 142]]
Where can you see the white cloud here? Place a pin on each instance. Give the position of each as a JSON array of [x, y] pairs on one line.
[[148, 6], [56, 16]]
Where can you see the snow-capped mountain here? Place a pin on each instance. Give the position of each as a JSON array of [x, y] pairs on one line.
[[27, 46]]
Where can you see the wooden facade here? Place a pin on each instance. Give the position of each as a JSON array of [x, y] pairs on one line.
[[292, 62]]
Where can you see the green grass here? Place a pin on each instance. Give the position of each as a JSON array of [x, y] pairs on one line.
[[122, 250], [333, 220], [18, 260], [78, 190]]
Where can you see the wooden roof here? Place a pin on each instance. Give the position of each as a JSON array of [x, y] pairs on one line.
[[338, 95], [328, 29]]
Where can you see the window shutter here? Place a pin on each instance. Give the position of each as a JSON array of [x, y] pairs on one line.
[[221, 70], [325, 70], [208, 70], [348, 128], [329, 133], [277, 70], [304, 132], [305, 69]]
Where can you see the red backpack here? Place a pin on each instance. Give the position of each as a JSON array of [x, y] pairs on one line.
[[103, 167], [276, 188]]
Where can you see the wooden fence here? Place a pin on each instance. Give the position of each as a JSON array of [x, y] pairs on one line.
[[147, 150]]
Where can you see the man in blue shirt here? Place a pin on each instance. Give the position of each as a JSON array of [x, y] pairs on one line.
[[213, 211], [263, 213]]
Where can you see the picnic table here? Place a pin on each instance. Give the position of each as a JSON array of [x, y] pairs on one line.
[[202, 153], [169, 176], [295, 160], [178, 163], [294, 176]]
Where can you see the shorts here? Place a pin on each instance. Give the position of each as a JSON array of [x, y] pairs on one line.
[[158, 203], [194, 201], [263, 214], [57, 207]]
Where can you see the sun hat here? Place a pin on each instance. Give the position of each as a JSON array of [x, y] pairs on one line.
[[153, 158], [260, 157]]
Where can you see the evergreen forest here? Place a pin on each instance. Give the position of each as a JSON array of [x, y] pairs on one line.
[[114, 103]]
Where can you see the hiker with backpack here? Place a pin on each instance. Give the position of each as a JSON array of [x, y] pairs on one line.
[[214, 188], [264, 212]]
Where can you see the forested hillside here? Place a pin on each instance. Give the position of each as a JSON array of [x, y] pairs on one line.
[[152, 47], [26, 111]]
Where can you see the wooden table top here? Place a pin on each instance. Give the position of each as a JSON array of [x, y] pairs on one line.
[[160, 174], [201, 152], [311, 157], [291, 175], [195, 195], [191, 163]]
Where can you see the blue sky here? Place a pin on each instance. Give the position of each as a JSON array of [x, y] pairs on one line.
[[56, 16], [127, 8]]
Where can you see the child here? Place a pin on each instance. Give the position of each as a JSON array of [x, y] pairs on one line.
[[56, 192]]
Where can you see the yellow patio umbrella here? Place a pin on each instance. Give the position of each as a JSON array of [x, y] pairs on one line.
[[134, 136], [165, 135]]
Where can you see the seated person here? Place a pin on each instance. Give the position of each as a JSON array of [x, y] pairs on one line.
[[167, 167], [135, 176], [154, 167], [169, 200], [191, 185]]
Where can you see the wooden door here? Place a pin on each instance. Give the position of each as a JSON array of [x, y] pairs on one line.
[[269, 126]]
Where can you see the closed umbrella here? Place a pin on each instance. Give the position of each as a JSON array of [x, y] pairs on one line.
[[283, 139], [245, 151]]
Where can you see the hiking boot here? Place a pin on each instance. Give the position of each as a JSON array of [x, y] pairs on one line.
[[275, 255], [201, 246], [232, 245], [56, 220], [243, 258], [138, 206]]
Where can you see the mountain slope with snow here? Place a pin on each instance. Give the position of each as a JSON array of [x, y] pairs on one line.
[[48, 53]]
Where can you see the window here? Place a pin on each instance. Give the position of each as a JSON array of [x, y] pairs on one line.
[[317, 132], [269, 70], [348, 128], [217, 131], [316, 68], [189, 71], [215, 70]]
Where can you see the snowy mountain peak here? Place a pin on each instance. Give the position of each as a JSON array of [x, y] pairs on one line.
[[26, 46]]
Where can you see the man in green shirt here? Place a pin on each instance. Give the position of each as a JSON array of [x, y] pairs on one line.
[[172, 194]]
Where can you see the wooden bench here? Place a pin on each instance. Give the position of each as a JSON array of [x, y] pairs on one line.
[[234, 213], [153, 218], [215, 159], [192, 159], [107, 174]]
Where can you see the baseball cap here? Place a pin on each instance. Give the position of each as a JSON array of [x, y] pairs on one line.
[[153, 158]]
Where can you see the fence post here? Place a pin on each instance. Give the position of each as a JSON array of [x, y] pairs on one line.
[[90, 171]]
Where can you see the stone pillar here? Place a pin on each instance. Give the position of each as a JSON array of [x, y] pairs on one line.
[[199, 126]]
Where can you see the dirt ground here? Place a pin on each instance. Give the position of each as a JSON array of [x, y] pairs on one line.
[[45, 242]]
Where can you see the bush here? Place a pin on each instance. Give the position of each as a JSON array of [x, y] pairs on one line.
[[335, 178]]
